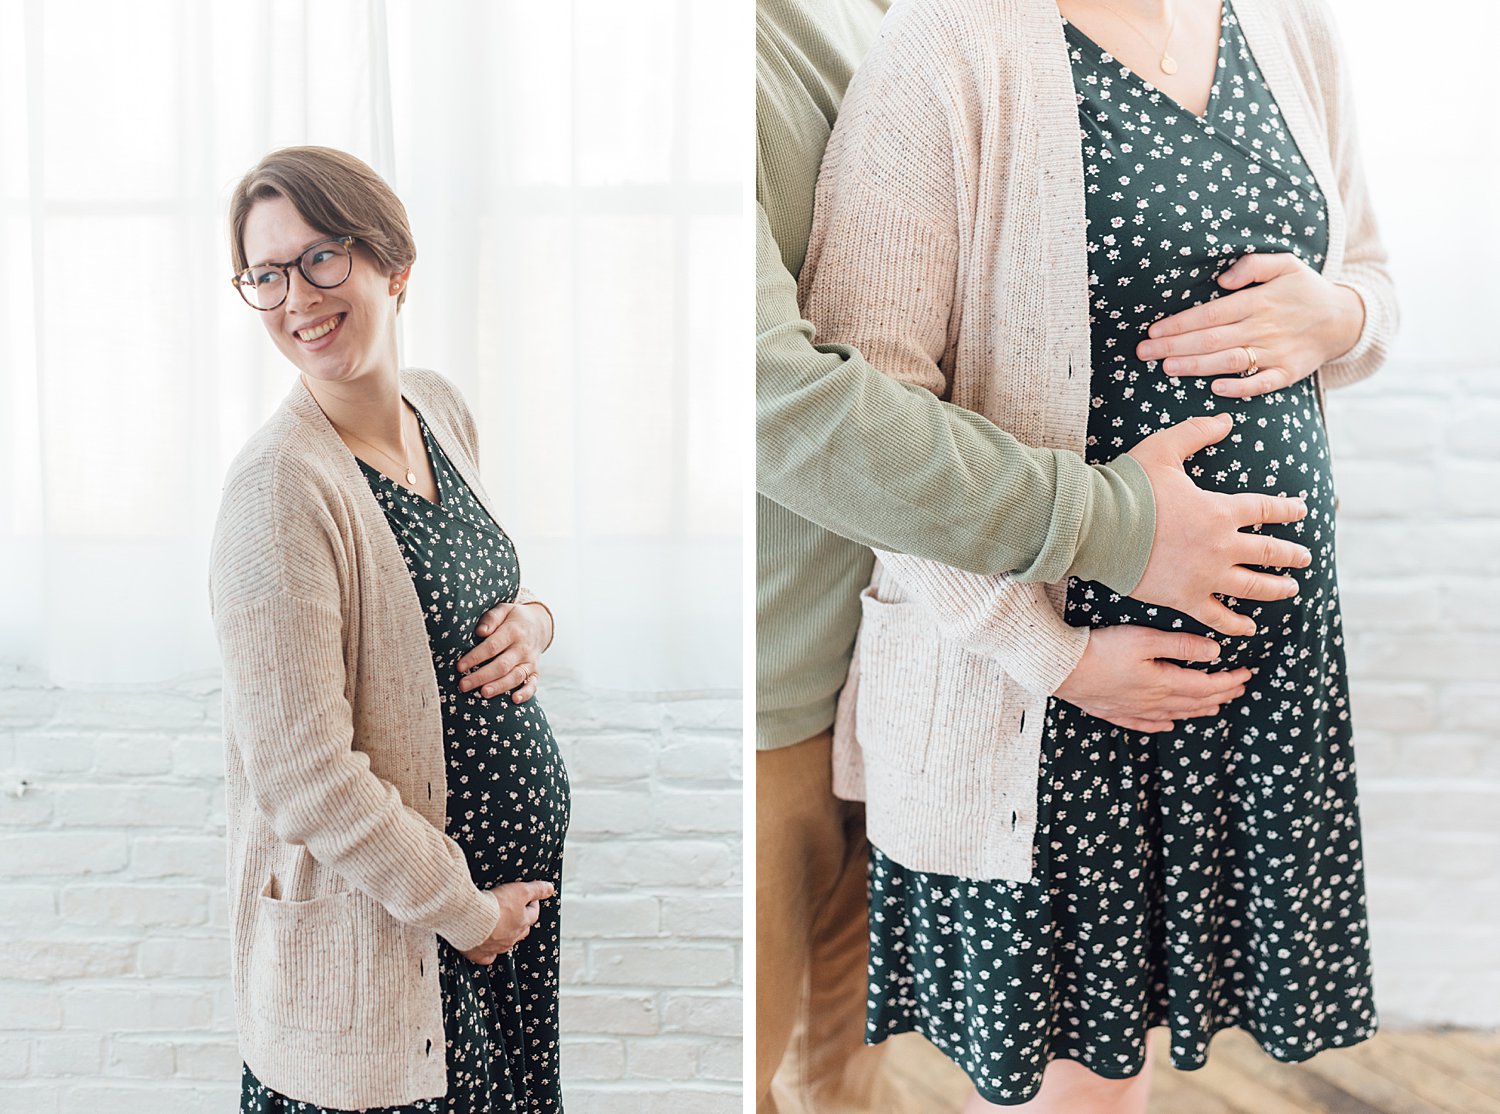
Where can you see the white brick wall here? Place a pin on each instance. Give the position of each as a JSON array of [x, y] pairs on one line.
[[1417, 463], [114, 994]]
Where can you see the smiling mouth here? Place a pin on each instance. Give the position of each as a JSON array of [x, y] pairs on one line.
[[318, 332]]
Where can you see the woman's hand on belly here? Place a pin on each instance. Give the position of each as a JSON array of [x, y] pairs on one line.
[[520, 906], [505, 660], [1295, 320], [1121, 679]]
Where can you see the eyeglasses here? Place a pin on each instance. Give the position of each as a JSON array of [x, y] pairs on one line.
[[325, 265]]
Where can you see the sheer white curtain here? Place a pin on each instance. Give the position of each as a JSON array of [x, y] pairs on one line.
[[573, 177]]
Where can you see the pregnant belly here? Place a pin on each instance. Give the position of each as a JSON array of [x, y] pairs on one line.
[[508, 794], [1278, 447]]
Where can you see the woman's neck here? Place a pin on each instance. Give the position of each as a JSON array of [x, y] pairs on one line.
[[1145, 13], [370, 408]]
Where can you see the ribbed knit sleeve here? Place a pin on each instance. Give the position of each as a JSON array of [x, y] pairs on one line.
[[284, 680], [1365, 268], [276, 606], [880, 275], [858, 453]]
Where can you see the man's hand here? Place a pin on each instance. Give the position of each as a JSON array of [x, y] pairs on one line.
[[1199, 548], [1119, 678]]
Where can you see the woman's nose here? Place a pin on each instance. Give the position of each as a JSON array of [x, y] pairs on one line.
[[300, 293]]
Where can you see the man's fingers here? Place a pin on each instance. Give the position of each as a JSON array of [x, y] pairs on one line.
[[1212, 613], [1244, 584], [1270, 553], [1251, 509], [1186, 438], [1191, 687], [1201, 688]]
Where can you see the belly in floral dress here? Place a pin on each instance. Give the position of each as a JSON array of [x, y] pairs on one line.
[[1209, 876], [508, 806]]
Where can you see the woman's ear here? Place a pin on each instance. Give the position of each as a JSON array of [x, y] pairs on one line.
[[398, 286]]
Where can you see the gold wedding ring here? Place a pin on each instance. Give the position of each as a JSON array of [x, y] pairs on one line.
[[1250, 359]]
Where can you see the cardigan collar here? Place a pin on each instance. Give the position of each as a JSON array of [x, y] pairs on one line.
[[409, 623], [1266, 29], [301, 403], [1266, 34]]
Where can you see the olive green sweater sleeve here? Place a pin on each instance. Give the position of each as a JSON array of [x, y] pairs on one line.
[[891, 466]]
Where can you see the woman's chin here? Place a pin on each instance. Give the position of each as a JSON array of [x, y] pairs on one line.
[[326, 368]]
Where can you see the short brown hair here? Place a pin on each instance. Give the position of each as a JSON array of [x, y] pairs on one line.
[[334, 192]]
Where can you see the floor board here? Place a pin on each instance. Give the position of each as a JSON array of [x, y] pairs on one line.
[[1414, 1071]]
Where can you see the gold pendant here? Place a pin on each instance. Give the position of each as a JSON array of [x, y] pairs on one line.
[[411, 477], [1168, 64]]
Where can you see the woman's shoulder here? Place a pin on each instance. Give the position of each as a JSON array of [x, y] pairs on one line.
[[283, 455], [940, 55], [1308, 33], [1308, 26], [433, 388], [280, 507], [955, 20], [438, 397]]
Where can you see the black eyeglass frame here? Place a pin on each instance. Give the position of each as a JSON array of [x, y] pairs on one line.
[[286, 272]]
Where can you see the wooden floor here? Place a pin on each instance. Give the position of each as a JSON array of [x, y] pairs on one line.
[[1413, 1071]]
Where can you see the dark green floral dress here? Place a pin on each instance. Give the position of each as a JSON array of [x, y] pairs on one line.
[[508, 803], [1210, 876]]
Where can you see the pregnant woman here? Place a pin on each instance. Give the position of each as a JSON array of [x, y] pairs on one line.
[[1089, 221], [396, 801]]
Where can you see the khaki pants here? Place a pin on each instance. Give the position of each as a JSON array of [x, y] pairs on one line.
[[811, 942]]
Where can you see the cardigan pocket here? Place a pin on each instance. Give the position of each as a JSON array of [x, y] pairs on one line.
[[897, 692], [302, 968]]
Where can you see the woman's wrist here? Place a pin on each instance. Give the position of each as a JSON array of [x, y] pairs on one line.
[[1347, 320], [549, 625]]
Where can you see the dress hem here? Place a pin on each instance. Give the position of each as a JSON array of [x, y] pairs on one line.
[[1358, 1037]]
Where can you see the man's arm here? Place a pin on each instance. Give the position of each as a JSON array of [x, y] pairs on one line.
[[962, 491]]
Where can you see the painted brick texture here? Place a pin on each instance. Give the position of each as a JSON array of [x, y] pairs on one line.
[[1417, 464], [114, 992]]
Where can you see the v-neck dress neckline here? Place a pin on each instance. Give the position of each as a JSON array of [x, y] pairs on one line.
[[431, 448], [1083, 40]]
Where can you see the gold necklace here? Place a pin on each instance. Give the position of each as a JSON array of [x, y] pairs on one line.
[[411, 477], [1167, 63]]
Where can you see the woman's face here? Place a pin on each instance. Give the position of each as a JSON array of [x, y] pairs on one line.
[[362, 308]]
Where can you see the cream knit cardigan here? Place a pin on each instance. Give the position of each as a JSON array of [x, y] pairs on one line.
[[948, 245], [340, 874]]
